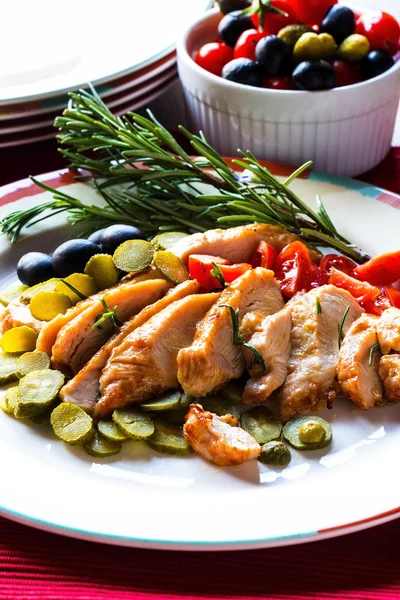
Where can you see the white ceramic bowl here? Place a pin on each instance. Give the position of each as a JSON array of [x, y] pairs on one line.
[[345, 131]]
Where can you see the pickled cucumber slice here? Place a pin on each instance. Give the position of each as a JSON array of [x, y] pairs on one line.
[[261, 424], [133, 256], [168, 401], [43, 418], [13, 292], [110, 430], [275, 454], [100, 446], [165, 241], [37, 391], [8, 368], [47, 305], [168, 439], [171, 266], [295, 432], [71, 424], [11, 399], [133, 423], [32, 361], [19, 339], [4, 404], [102, 270], [176, 416], [233, 391], [83, 283], [219, 405], [46, 286]]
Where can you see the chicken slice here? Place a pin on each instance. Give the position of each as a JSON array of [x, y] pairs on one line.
[[78, 340], [48, 335], [389, 370], [388, 330], [360, 381], [17, 314], [144, 365], [237, 243], [218, 439], [314, 348], [213, 359], [84, 387], [272, 340]]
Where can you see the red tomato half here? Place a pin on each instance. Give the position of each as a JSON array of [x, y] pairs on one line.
[[264, 256], [393, 295], [213, 57], [360, 290], [345, 74], [381, 270], [200, 267], [381, 29], [246, 44], [339, 262], [273, 22], [294, 269], [388, 297], [313, 11]]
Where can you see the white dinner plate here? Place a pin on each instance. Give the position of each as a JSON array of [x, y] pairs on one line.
[[141, 498]]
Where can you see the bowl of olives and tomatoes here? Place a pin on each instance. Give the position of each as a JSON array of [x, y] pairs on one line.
[[324, 87]]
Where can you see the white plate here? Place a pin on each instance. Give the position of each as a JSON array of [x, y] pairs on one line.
[[136, 34], [141, 498]]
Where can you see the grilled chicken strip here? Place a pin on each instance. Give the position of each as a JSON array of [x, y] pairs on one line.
[[359, 380], [389, 370], [83, 388], [213, 359], [388, 330], [48, 335], [314, 348], [218, 439], [237, 243], [16, 314], [272, 340], [78, 340], [144, 365]]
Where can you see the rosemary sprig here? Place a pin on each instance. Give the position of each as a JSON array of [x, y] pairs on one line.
[[238, 338], [218, 274], [318, 308], [108, 312], [341, 325], [146, 177], [374, 349]]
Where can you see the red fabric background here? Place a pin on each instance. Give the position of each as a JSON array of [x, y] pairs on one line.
[[34, 564]]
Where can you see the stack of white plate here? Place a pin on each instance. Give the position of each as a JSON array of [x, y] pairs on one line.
[[126, 49]]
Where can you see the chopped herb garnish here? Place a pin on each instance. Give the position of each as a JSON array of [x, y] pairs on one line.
[[374, 349], [318, 306], [108, 314], [217, 273], [73, 289], [238, 339], [346, 312]]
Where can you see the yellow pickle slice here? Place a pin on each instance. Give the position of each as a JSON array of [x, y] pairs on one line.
[[19, 339], [71, 423], [171, 266], [84, 284], [37, 391], [11, 293], [45, 306], [102, 270], [133, 256], [46, 286], [165, 241]]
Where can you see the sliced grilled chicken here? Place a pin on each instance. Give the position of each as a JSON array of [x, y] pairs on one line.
[[78, 340], [388, 330], [144, 365], [213, 359], [48, 335], [218, 439], [389, 370], [314, 348], [359, 380], [237, 243], [272, 340], [84, 387], [16, 314]]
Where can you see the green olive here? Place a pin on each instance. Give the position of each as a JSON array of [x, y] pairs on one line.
[[292, 33], [312, 46], [275, 453], [354, 48]]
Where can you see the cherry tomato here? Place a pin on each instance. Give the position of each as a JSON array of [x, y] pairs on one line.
[[278, 83], [319, 277], [339, 262], [201, 265], [214, 56], [381, 29], [381, 270], [362, 291], [273, 22], [392, 294], [345, 74], [294, 269], [313, 11], [388, 297], [264, 256], [246, 44]]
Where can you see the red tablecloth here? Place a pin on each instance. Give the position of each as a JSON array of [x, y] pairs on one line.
[[34, 564]]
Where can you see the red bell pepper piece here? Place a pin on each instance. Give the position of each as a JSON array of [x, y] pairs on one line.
[[381, 270], [264, 256], [201, 265], [362, 291]]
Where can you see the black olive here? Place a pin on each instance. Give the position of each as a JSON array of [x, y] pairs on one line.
[[227, 6], [115, 235], [314, 75], [375, 63], [340, 22], [232, 25], [35, 267], [72, 256], [274, 56], [243, 70], [95, 237]]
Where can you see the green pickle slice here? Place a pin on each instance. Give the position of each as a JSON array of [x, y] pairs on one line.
[[11, 399], [42, 418], [176, 416], [8, 368], [261, 424], [134, 423], [32, 361], [169, 401], [102, 270], [133, 256], [37, 391], [165, 241], [110, 430], [71, 423], [233, 391], [219, 405], [100, 446], [11, 293], [275, 454], [168, 438], [171, 266], [300, 431]]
